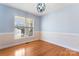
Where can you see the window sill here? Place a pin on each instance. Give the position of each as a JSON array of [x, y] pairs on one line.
[[26, 37]]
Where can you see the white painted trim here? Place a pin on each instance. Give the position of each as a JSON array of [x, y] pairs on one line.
[[67, 40], [61, 35], [6, 33], [13, 42], [75, 34], [65, 46]]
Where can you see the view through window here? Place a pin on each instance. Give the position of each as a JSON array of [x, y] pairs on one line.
[[23, 27]]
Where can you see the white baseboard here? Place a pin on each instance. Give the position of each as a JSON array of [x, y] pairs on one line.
[[7, 40], [15, 43], [67, 40]]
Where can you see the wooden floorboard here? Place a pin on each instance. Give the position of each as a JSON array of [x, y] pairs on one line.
[[37, 48]]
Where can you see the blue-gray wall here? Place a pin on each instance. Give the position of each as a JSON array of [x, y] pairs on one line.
[[65, 20], [7, 15], [6, 20]]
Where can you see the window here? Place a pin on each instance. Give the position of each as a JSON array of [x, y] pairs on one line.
[[23, 27]]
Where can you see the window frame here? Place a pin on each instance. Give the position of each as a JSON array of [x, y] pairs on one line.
[[25, 27]]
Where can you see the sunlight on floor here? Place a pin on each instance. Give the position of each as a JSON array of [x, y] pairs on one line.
[[20, 52]]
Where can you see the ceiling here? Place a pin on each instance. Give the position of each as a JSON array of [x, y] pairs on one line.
[[31, 7]]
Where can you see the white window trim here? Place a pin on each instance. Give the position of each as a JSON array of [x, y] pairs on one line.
[[26, 36]]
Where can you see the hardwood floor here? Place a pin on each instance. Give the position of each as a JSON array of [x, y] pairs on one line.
[[37, 48]]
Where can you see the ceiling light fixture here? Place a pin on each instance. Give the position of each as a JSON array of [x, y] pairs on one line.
[[41, 7]]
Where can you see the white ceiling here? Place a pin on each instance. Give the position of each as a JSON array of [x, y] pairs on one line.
[[31, 7]]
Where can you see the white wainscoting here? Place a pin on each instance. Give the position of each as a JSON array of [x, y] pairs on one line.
[[67, 40], [7, 39]]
